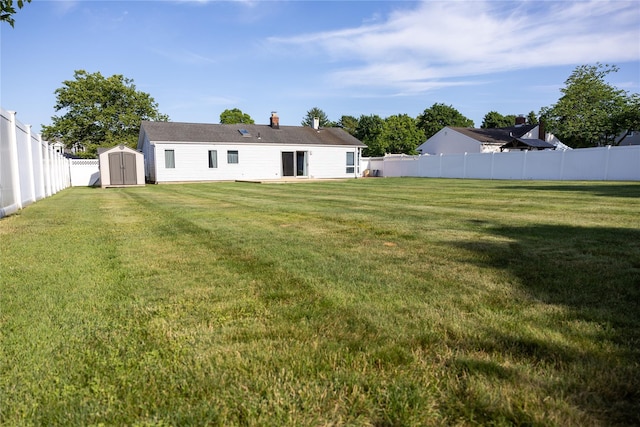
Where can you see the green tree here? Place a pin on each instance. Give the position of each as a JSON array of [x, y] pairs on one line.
[[321, 115], [438, 116], [7, 10], [401, 134], [590, 112], [100, 111], [348, 123], [235, 115], [493, 119], [532, 118], [629, 117], [369, 131]]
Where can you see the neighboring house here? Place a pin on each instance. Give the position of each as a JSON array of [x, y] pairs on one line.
[[60, 148], [457, 140], [628, 138], [120, 166], [179, 152], [526, 144]]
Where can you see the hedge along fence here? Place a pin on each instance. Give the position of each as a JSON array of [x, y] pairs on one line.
[[585, 164], [30, 169]]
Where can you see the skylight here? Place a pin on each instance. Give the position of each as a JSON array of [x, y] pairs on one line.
[[244, 132]]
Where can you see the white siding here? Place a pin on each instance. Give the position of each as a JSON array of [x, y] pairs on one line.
[[449, 141], [255, 161]]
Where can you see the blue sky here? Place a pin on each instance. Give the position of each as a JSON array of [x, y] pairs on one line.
[[198, 58]]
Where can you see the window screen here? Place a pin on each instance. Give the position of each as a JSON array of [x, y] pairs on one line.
[[169, 159], [350, 162], [213, 159], [232, 156]]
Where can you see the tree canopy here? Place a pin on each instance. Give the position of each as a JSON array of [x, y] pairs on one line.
[[401, 135], [235, 115], [369, 131], [348, 123], [440, 115], [100, 111], [493, 119], [307, 120], [7, 10], [532, 118], [591, 112]]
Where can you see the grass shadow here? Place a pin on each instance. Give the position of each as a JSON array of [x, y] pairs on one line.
[[591, 277], [631, 190]]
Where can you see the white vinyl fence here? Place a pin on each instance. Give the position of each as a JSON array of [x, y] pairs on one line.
[[588, 164], [84, 172], [30, 169]]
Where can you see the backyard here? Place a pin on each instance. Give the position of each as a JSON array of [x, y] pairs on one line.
[[383, 302]]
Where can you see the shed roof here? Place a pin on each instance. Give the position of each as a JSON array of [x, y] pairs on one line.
[[245, 133]]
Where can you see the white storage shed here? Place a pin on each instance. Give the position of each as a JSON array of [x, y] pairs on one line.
[[121, 166]]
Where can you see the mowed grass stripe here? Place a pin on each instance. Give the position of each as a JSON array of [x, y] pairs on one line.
[[378, 301]]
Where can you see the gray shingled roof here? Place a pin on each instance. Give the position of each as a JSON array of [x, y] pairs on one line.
[[495, 135], [535, 143], [262, 134]]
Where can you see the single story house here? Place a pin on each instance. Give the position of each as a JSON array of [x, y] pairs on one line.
[[120, 166], [183, 152], [459, 140]]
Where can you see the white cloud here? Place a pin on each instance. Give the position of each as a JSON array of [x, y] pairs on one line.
[[442, 43], [62, 7], [184, 56]]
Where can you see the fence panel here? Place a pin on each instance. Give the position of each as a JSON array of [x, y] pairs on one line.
[[25, 165], [544, 165], [623, 164], [592, 164], [29, 170], [478, 165], [84, 172]]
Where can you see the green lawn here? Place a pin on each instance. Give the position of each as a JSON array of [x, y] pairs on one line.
[[365, 302]]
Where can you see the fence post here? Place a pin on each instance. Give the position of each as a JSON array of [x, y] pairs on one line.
[[606, 163], [32, 179], [464, 166], [47, 169], [492, 157], [524, 164], [41, 187], [13, 159]]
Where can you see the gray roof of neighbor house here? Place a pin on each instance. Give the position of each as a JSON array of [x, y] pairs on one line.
[[534, 143], [495, 135], [244, 133]]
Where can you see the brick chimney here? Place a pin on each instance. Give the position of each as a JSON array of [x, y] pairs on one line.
[[542, 132], [521, 120], [274, 122]]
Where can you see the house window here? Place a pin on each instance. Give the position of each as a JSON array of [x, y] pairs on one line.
[[351, 162], [213, 159], [232, 156], [169, 159]]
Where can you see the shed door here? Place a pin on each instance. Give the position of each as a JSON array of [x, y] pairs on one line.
[[129, 170], [122, 168]]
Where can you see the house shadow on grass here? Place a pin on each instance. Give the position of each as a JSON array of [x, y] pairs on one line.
[[591, 276], [631, 190]]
